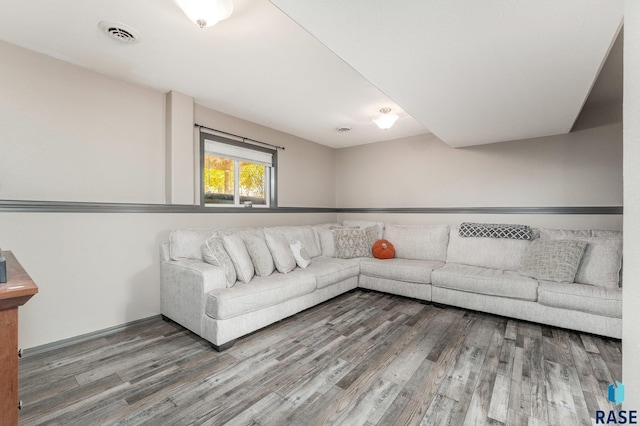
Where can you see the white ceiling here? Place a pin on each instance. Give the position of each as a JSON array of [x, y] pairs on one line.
[[472, 72]]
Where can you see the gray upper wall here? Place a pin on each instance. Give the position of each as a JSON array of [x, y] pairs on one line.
[[70, 134], [581, 168]]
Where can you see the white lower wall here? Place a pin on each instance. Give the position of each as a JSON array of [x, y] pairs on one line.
[[99, 270]]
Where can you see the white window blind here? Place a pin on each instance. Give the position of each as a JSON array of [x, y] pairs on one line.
[[238, 153]]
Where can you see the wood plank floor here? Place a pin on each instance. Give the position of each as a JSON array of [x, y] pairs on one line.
[[359, 359]]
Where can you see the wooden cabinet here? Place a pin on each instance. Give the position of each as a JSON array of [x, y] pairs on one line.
[[14, 293]]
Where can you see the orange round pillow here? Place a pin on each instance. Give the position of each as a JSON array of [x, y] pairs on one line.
[[383, 249]]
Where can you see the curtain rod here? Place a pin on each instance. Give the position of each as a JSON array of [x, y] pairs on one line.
[[239, 137]]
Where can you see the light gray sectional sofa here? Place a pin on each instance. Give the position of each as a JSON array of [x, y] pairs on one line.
[[432, 264]]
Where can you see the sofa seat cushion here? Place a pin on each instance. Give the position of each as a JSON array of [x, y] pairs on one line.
[[581, 297], [259, 293], [493, 282], [328, 271], [413, 271]]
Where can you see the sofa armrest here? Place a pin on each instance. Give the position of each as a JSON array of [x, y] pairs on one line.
[[184, 285], [164, 252]]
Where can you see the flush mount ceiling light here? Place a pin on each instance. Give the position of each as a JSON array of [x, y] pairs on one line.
[[206, 13], [386, 120]]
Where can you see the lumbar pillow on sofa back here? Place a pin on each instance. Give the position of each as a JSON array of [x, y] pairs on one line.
[[281, 252], [235, 247], [300, 254], [260, 255], [213, 252], [552, 260]]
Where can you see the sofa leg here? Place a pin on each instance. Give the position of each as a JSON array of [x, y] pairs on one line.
[[223, 347], [439, 305], [424, 302]]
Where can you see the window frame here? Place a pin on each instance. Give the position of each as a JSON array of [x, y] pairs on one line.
[[272, 190]]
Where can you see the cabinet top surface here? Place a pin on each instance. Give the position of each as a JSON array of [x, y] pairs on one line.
[[19, 283]]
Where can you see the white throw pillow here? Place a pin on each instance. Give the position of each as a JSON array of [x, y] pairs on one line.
[[300, 254], [260, 255], [239, 255], [281, 252], [326, 242], [213, 252], [601, 262]]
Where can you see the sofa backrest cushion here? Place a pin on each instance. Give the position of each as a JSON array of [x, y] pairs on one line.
[[304, 234], [260, 255], [281, 252], [323, 234], [496, 253], [418, 242], [213, 252], [244, 232], [606, 233], [187, 243], [601, 262], [365, 224], [237, 251], [561, 234], [552, 260]]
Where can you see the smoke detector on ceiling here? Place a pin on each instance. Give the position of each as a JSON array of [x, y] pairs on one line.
[[119, 32]]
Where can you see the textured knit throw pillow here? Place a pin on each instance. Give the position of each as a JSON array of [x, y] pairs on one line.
[[213, 252], [350, 243], [552, 260]]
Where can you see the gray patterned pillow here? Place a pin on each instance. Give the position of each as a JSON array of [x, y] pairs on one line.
[[213, 252], [495, 230], [552, 260], [260, 255], [350, 243]]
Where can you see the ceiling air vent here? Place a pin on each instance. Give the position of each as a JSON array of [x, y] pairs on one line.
[[119, 32]]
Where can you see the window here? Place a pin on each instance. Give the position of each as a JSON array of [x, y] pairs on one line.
[[236, 174]]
